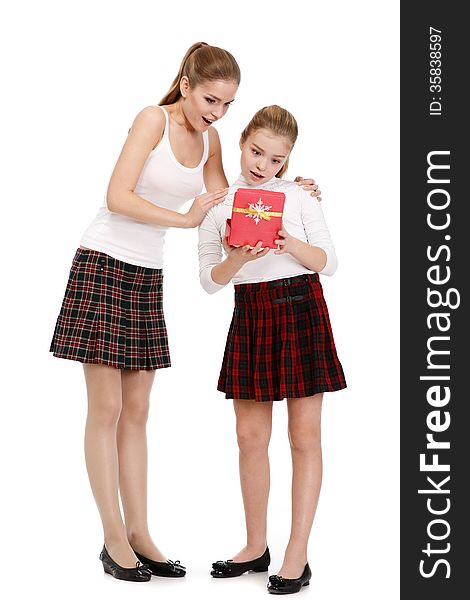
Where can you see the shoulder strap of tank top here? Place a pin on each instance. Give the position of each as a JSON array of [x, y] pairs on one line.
[[166, 133], [205, 137]]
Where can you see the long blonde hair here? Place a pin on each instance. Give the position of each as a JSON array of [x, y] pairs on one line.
[[279, 121], [203, 63]]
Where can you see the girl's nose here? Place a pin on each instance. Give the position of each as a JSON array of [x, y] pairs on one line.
[[218, 112]]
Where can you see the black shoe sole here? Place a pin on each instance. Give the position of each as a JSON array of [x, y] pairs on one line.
[[279, 593], [230, 575], [123, 578]]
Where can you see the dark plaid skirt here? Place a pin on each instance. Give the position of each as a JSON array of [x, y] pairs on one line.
[[280, 344], [112, 314]]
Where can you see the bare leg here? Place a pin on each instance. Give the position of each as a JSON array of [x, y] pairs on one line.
[[132, 448], [101, 455], [254, 423], [305, 440]]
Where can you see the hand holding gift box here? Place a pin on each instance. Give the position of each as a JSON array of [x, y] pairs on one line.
[[256, 217], [240, 255]]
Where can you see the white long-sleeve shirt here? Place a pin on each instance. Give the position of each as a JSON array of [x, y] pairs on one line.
[[302, 218]]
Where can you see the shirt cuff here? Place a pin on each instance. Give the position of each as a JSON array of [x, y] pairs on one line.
[[331, 263], [208, 283]]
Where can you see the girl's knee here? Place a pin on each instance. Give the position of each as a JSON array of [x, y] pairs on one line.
[[135, 409], [254, 422], [305, 438], [251, 439], [104, 411]]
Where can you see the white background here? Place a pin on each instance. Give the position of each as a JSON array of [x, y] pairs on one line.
[[76, 74]]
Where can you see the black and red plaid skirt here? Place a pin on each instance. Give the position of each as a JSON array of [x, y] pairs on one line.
[[112, 314], [280, 344]]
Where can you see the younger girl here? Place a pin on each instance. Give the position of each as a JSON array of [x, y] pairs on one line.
[[279, 345]]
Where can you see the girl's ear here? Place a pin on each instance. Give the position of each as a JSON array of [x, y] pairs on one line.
[[241, 143], [184, 86]]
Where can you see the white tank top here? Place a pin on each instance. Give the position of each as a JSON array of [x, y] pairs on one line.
[[163, 181]]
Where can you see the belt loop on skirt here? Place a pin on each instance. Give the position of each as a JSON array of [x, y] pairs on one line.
[[286, 281], [278, 287]]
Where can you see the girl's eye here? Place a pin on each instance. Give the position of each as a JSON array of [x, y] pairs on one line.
[[276, 161], [210, 100], [255, 152]]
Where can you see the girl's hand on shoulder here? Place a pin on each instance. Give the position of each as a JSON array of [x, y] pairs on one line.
[[244, 254], [310, 186], [202, 204], [285, 243]]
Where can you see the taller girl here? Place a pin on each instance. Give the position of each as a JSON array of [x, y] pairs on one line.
[[111, 317]]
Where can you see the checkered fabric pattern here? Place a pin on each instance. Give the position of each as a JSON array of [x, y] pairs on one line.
[[280, 344], [112, 314]]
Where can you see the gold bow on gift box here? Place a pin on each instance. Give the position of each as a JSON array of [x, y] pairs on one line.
[[257, 212]]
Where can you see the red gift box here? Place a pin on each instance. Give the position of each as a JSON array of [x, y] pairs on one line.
[[256, 217]]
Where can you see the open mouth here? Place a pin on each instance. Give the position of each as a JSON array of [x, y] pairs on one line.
[[206, 121], [257, 175]]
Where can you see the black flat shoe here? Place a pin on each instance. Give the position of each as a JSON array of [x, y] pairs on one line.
[[228, 568], [281, 585], [138, 573], [163, 569]]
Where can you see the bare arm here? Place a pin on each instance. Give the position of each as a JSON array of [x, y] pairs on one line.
[[214, 176], [144, 135]]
